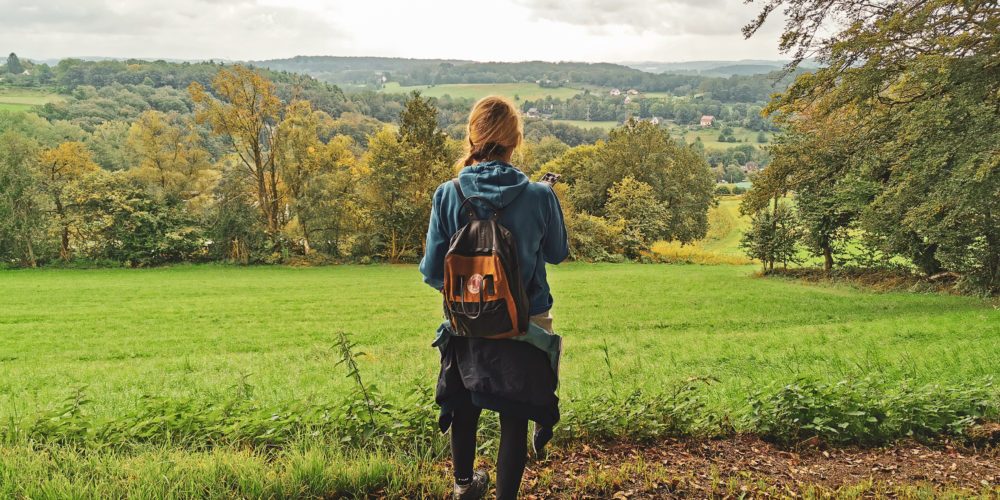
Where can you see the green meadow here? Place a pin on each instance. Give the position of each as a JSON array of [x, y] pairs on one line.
[[710, 137], [206, 331], [606, 125], [19, 99], [221, 382], [515, 91]]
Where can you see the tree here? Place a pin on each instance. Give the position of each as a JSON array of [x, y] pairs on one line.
[[313, 173], [59, 167], [679, 176], [14, 64], [171, 157], [917, 80], [124, 223], [109, 142], [22, 221], [643, 218], [772, 236], [245, 114], [401, 171]]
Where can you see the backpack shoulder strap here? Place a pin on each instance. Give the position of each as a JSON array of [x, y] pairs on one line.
[[458, 189], [462, 200]]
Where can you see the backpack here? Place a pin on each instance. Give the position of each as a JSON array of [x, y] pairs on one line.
[[483, 293]]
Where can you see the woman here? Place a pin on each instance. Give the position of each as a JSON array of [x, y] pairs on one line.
[[515, 377]]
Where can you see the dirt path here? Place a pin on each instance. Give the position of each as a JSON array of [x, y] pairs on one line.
[[749, 467]]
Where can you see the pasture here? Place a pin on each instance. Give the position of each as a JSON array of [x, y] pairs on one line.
[[710, 137], [158, 382], [605, 125], [722, 243], [20, 99], [517, 92], [204, 332]]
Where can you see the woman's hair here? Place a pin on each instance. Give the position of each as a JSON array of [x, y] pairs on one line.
[[494, 130]]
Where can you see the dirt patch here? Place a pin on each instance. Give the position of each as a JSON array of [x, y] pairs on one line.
[[747, 466]]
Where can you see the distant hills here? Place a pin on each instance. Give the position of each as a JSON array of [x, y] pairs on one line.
[[716, 68], [345, 69]]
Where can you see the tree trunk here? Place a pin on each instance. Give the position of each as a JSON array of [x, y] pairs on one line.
[[31, 253], [64, 244], [992, 263], [305, 235], [827, 258], [64, 233]]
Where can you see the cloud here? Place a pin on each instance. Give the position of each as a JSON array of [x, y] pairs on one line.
[[671, 17], [178, 28], [584, 30]]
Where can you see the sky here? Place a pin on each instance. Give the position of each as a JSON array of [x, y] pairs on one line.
[[497, 30]]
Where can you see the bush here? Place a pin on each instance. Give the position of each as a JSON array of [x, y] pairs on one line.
[[868, 411], [722, 190], [772, 237], [593, 238]]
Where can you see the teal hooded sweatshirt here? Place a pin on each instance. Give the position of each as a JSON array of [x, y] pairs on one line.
[[530, 210]]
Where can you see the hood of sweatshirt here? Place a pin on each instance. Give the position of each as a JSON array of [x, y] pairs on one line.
[[495, 181]]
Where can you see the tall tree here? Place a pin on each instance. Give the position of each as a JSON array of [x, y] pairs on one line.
[[21, 218], [245, 112], [919, 79], [679, 177], [171, 156], [14, 64], [58, 168], [308, 167], [401, 172]]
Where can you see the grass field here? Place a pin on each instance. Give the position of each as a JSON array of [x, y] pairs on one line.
[[710, 137], [25, 99], [200, 331], [606, 125], [266, 336], [524, 91], [722, 243]]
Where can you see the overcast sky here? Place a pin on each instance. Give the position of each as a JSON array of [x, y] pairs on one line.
[[497, 30]]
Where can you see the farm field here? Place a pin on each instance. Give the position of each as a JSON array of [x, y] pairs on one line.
[[606, 125], [110, 342], [710, 137], [524, 91], [200, 331], [722, 243], [24, 99]]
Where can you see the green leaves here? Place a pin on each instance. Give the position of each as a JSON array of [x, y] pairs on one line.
[[869, 411]]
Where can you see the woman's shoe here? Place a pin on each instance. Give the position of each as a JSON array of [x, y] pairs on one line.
[[540, 439], [475, 490]]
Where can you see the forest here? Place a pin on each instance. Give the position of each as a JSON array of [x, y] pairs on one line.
[[261, 167]]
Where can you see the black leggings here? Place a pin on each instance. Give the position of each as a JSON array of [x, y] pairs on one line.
[[513, 448]]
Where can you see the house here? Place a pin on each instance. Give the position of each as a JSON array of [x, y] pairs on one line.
[[751, 167], [655, 120], [628, 99], [532, 113], [615, 92], [633, 92], [707, 120]]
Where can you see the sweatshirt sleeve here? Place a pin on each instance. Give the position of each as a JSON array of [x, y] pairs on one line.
[[555, 247], [432, 264]]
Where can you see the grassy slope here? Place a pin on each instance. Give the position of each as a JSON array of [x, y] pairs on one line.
[[17, 99], [526, 91], [606, 125], [710, 137], [198, 330], [720, 245]]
